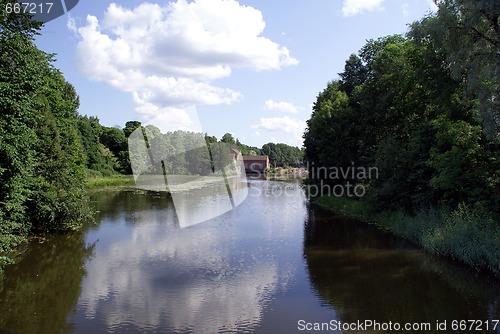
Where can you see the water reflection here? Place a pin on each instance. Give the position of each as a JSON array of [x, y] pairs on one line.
[[256, 268], [364, 273], [148, 273], [38, 293]]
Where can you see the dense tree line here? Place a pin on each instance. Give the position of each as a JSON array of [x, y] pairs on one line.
[[282, 154], [423, 109], [41, 156], [184, 152], [106, 148]]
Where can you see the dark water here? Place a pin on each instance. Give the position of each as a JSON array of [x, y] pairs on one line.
[[272, 265]]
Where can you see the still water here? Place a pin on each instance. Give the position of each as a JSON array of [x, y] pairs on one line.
[[275, 264]]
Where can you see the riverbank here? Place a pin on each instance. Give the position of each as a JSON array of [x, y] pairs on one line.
[[156, 182], [13, 246], [94, 182], [467, 235]]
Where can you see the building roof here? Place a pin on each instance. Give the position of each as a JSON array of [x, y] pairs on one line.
[[255, 157]]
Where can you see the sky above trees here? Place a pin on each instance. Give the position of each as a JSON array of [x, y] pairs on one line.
[[251, 68]]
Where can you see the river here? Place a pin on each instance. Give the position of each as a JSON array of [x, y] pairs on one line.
[[274, 264]]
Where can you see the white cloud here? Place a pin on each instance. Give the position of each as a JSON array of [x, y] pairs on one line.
[[353, 7], [71, 24], [282, 106], [293, 127], [169, 118], [168, 56]]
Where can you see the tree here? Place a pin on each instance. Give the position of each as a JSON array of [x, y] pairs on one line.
[[330, 138], [115, 140], [282, 154], [400, 108], [130, 127], [355, 73], [228, 139], [41, 159], [467, 33], [90, 131]]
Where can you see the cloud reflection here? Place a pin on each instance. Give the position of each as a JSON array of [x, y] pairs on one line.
[[204, 279]]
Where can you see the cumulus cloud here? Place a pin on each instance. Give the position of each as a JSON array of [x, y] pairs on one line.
[[293, 127], [353, 7], [71, 24], [282, 106], [169, 118], [168, 56]]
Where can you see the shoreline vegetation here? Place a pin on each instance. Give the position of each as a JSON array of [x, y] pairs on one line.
[[180, 182], [467, 235], [423, 109], [97, 182]]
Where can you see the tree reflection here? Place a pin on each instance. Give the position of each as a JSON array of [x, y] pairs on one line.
[[112, 204], [39, 292], [365, 273]]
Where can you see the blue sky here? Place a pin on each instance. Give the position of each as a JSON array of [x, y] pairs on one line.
[[251, 67]]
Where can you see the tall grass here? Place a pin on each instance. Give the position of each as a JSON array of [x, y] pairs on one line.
[[94, 182], [468, 234]]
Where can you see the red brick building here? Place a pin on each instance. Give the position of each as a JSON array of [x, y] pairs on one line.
[[256, 164]]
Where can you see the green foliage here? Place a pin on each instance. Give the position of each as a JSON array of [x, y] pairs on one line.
[[399, 107], [248, 150], [18, 23], [423, 109], [330, 140], [96, 181], [282, 154], [228, 139], [50, 277], [467, 234], [346, 206], [114, 139], [98, 157], [355, 74], [41, 160], [106, 148], [130, 127], [467, 33]]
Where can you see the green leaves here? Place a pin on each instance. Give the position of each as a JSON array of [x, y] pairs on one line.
[[282, 154], [421, 109], [41, 165], [467, 33]]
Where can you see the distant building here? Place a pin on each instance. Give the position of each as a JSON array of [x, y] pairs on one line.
[[256, 164]]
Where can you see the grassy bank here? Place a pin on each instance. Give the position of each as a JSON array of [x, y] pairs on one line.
[[93, 182], [12, 246], [468, 235]]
